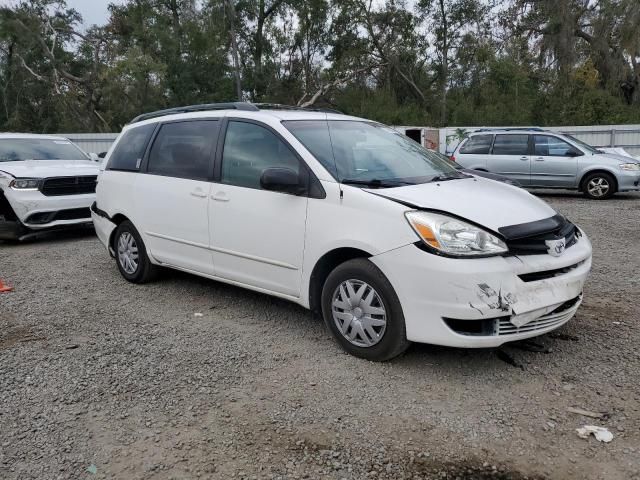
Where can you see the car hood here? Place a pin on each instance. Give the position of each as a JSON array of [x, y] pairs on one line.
[[485, 202], [619, 158], [49, 168]]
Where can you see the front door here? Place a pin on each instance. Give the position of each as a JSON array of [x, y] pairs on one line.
[[173, 193], [510, 157], [554, 162], [257, 236]]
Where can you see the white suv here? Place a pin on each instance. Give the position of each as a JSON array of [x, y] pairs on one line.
[[46, 182], [340, 215]]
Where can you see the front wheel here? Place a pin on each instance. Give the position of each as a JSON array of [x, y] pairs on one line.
[[363, 312], [599, 186], [131, 254]]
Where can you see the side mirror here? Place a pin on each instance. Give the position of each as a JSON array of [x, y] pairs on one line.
[[102, 154], [574, 153], [281, 180]]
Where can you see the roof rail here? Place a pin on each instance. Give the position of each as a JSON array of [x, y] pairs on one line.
[[510, 129], [248, 107], [278, 106], [197, 108]]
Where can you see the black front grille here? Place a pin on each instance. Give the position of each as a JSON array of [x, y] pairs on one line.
[[537, 276], [530, 238], [52, 187]]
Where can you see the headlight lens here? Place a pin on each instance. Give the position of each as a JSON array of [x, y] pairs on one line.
[[630, 166], [25, 184], [451, 236]]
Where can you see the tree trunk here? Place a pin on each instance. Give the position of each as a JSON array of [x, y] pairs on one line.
[[234, 48], [177, 27], [257, 56], [445, 66]]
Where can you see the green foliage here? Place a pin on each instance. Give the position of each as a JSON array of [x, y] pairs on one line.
[[430, 62]]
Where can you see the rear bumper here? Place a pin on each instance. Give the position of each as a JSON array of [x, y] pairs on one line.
[[485, 302]]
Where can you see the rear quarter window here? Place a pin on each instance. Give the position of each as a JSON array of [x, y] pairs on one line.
[[477, 145], [130, 149], [183, 149]]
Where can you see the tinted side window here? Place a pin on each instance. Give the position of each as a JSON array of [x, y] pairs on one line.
[[249, 149], [478, 144], [551, 146], [511, 145], [183, 149], [130, 149]]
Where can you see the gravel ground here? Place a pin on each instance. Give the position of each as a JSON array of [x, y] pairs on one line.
[[103, 379]]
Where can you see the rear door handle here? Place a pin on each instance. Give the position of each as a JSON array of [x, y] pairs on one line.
[[524, 159], [199, 194], [220, 197], [539, 159]]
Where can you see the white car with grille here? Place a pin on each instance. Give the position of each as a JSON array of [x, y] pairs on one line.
[[341, 215], [46, 182]]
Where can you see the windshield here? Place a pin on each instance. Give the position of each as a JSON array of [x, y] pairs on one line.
[[368, 153], [444, 158], [16, 149], [586, 146]]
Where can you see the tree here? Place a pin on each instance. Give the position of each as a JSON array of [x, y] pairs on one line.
[[430, 62], [51, 51], [450, 21]]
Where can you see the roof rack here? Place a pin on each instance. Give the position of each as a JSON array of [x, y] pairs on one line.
[[247, 107], [510, 129], [197, 108]]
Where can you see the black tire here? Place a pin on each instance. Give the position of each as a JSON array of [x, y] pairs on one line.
[[145, 271], [606, 179], [12, 231], [394, 338]]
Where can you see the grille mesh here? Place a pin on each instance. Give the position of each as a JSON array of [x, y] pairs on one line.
[[556, 318], [52, 187]]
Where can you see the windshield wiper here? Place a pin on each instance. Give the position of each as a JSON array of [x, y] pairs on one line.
[[375, 183], [444, 178]]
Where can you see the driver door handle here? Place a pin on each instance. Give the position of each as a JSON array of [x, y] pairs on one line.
[[524, 159], [539, 159], [198, 193]]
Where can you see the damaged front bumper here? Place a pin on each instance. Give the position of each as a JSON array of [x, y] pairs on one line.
[[37, 212], [485, 302]]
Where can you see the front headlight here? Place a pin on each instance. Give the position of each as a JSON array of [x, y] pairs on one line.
[[634, 167], [25, 183], [451, 236]]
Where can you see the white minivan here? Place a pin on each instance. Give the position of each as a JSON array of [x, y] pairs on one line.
[[341, 215]]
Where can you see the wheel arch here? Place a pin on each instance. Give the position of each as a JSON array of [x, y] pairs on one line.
[[117, 219], [324, 266], [581, 184]]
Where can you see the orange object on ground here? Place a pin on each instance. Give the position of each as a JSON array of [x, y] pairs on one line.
[[5, 288]]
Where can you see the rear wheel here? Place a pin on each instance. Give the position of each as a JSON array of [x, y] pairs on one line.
[[362, 311], [131, 254], [599, 186]]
